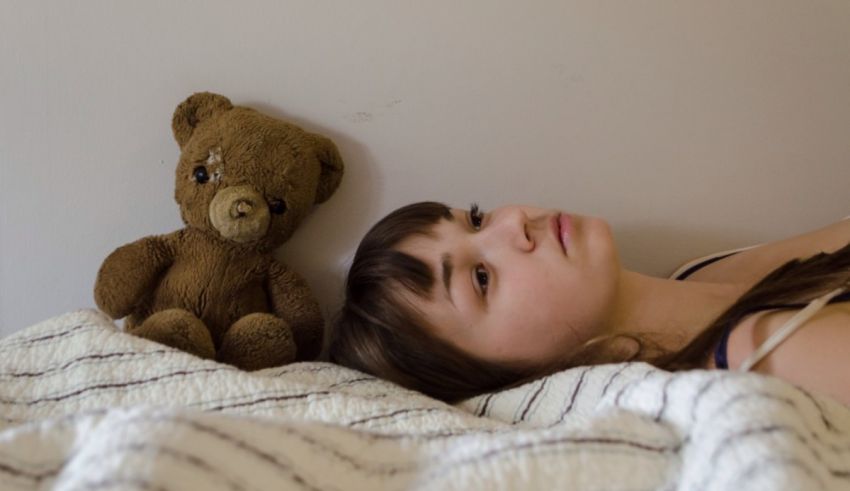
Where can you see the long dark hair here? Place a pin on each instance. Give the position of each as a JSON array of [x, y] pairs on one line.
[[797, 281], [380, 333]]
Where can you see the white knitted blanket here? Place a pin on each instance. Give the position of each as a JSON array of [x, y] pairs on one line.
[[86, 406]]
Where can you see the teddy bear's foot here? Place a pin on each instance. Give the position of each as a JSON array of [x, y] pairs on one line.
[[258, 341], [179, 329]]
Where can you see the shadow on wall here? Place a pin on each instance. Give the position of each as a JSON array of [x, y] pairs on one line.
[[322, 247], [638, 245]]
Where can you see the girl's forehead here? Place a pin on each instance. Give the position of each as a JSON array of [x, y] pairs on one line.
[[431, 233], [458, 213], [421, 245]]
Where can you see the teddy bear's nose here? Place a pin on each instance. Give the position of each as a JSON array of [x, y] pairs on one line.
[[239, 213], [241, 208]]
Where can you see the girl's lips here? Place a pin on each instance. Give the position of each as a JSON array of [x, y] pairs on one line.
[[565, 230]]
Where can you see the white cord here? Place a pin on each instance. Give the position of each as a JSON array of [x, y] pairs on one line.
[[786, 330]]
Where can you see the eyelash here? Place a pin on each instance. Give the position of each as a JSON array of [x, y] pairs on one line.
[[476, 216], [482, 277]]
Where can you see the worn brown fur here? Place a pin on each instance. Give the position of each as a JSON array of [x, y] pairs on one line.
[[214, 288]]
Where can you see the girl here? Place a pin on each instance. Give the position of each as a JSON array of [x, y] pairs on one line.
[[455, 303]]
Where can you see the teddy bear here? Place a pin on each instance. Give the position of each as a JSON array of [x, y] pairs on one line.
[[244, 182]]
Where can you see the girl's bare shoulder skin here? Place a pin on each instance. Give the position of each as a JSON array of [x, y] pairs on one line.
[[749, 266]]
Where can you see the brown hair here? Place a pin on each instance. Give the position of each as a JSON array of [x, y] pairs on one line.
[[797, 281], [380, 333]]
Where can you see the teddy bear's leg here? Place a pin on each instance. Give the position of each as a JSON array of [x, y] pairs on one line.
[[179, 329], [258, 341]]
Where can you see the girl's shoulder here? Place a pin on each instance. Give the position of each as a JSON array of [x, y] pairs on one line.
[[813, 357], [749, 264]]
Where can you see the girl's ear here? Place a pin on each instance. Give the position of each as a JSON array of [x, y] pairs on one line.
[[610, 348], [197, 108], [332, 167]]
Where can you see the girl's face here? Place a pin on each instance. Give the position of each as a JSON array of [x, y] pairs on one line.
[[518, 284]]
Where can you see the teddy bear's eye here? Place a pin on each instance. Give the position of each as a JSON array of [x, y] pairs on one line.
[[276, 206], [200, 174]]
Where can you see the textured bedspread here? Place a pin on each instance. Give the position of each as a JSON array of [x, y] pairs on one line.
[[85, 406]]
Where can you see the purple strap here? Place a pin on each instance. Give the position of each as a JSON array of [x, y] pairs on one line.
[[720, 360]]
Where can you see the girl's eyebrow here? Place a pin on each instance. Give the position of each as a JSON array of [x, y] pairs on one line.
[[448, 267]]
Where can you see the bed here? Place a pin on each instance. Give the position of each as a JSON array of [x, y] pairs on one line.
[[85, 406]]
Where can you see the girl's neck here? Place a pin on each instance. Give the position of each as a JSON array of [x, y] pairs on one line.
[[671, 312]]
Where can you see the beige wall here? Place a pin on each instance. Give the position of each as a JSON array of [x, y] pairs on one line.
[[692, 126]]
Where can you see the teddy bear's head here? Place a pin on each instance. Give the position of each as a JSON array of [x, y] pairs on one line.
[[247, 177]]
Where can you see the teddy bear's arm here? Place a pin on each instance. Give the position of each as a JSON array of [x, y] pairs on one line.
[[130, 273], [293, 301]]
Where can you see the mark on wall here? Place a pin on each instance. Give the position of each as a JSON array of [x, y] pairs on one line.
[[360, 117], [565, 74], [367, 116]]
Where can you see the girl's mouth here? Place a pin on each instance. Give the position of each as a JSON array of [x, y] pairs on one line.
[[562, 226]]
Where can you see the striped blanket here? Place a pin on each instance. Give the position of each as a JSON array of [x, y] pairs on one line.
[[86, 406]]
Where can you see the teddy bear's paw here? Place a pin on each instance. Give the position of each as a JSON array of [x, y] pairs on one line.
[[258, 341], [179, 329]]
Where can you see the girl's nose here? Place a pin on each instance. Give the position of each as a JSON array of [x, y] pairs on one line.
[[512, 228]]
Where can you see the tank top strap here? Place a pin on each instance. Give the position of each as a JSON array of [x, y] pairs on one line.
[[720, 352], [797, 320]]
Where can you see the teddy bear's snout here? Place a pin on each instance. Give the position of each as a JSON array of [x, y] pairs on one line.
[[237, 213]]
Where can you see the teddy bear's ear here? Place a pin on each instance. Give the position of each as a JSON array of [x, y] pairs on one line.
[[332, 168], [197, 108]]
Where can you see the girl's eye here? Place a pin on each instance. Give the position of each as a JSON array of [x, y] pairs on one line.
[[476, 216], [482, 278]]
